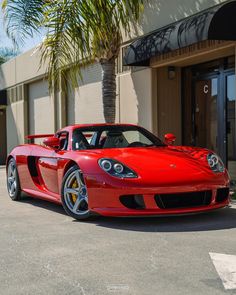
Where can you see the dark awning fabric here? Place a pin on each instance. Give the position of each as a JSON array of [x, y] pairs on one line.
[[3, 97], [216, 23]]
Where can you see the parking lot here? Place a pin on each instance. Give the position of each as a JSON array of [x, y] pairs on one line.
[[44, 251]]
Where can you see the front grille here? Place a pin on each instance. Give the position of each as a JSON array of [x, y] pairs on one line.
[[183, 200], [222, 194]]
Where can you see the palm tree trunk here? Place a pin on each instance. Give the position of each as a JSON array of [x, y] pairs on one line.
[[109, 90]]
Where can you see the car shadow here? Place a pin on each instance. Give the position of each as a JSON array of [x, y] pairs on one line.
[[43, 204], [215, 220], [210, 221]]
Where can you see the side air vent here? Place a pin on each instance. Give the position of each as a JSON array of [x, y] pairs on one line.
[[32, 166]]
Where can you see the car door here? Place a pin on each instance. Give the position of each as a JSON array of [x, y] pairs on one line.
[[48, 165]]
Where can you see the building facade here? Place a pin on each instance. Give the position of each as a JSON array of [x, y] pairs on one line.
[[176, 74]]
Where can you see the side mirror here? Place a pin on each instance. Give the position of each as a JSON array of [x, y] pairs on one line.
[[170, 139], [52, 142]]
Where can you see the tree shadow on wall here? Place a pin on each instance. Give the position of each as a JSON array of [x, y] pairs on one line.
[[169, 11]]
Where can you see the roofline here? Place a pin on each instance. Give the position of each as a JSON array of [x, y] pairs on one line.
[[75, 126]]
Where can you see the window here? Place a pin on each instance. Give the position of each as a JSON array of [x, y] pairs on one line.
[[82, 140], [120, 136], [121, 68], [136, 136], [63, 140], [121, 139]]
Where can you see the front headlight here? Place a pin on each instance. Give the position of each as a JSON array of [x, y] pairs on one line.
[[116, 168], [215, 163]]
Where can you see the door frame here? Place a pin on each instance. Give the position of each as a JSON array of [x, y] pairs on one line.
[[222, 137]]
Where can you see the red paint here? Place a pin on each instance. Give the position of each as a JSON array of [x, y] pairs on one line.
[[170, 139], [53, 142], [39, 136], [160, 170]]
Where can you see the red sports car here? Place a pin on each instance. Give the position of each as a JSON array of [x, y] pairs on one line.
[[117, 170]]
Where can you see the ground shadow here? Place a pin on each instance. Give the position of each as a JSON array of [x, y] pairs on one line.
[[215, 220], [43, 204]]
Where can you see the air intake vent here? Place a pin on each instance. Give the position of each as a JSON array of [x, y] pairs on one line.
[[222, 194], [183, 200], [132, 201]]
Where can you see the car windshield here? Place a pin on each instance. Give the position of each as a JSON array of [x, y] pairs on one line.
[[104, 137]]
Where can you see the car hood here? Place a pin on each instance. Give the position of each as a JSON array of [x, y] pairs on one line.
[[155, 158], [159, 165]]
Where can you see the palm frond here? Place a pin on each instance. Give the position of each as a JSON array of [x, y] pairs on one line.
[[22, 18], [7, 53], [78, 31], [81, 31]]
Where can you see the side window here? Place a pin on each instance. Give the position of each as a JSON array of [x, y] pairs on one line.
[[81, 140], [63, 140]]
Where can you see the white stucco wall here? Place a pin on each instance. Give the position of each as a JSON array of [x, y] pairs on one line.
[[23, 68], [15, 124], [84, 104], [41, 108], [136, 98]]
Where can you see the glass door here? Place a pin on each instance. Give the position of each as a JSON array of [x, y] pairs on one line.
[[231, 124], [206, 113]]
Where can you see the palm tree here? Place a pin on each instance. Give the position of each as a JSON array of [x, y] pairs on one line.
[[78, 33], [2, 60], [6, 53]]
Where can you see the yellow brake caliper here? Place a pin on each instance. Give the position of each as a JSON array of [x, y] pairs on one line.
[[74, 196]]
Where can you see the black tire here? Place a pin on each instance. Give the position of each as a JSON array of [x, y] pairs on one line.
[[67, 198], [13, 181]]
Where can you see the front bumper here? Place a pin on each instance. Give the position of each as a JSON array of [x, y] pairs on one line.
[[105, 196]]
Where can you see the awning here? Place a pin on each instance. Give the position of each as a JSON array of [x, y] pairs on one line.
[[3, 97], [216, 23]]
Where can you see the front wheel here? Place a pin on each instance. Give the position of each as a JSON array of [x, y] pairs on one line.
[[74, 194]]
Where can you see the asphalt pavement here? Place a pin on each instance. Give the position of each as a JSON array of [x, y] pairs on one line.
[[44, 251]]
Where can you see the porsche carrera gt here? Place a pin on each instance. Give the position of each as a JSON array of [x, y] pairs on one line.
[[117, 170]]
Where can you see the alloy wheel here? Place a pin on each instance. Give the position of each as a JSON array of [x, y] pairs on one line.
[[12, 179], [75, 193]]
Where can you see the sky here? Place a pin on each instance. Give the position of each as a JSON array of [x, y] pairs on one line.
[[6, 42]]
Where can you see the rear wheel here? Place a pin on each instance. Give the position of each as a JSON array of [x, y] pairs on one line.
[[13, 183], [74, 194]]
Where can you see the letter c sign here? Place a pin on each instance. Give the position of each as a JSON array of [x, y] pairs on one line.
[[206, 89]]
